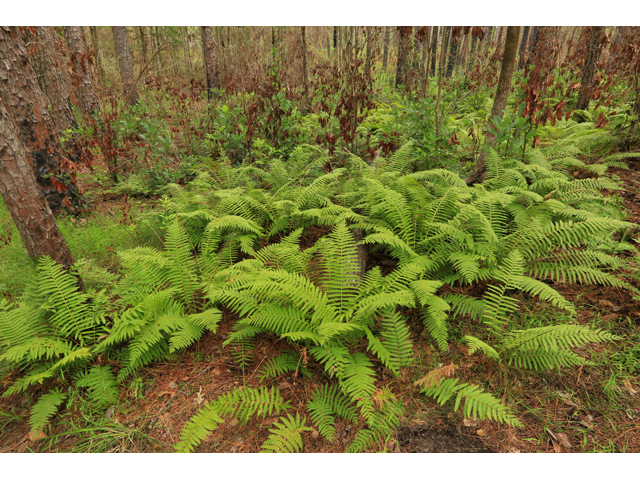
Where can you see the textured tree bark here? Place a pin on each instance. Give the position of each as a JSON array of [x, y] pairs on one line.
[[533, 43], [425, 60], [500, 100], [82, 78], [500, 34], [523, 51], [463, 56], [385, 49], [24, 199], [27, 105], [369, 45], [143, 43], [210, 61], [589, 70], [440, 68], [305, 65], [53, 76], [95, 44], [453, 52], [404, 45], [126, 66], [434, 49]]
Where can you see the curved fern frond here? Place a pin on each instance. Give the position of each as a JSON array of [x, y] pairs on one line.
[[46, 406], [285, 437], [284, 363], [241, 404], [477, 403], [101, 384], [476, 344], [71, 313]]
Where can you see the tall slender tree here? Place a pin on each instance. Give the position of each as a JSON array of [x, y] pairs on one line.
[[434, 49], [210, 60], [385, 48], [126, 65], [500, 99], [523, 48], [305, 65], [39, 132], [24, 199], [589, 69], [82, 78], [453, 50], [533, 42], [95, 44], [404, 48], [142, 32]]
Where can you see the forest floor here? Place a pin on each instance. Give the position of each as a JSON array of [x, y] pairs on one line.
[[584, 409]]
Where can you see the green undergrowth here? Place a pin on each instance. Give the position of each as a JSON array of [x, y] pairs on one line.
[[467, 260]]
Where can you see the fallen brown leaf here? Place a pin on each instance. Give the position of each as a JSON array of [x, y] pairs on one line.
[[564, 439]]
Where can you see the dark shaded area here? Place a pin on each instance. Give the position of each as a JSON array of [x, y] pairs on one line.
[[449, 440]]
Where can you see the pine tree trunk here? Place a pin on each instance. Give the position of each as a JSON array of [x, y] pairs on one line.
[[369, 46], [210, 61], [443, 47], [126, 65], [589, 69], [82, 78], [453, 52], [24, 199], [305, 65], [500, 35], [463, 57], [523, 50], [95, 44], [385, 50], [502, 93], [39, 131], [143, 43], [434, 49], [417, 44], [404, 46], [425, 60], [53, 77], [533, 43]]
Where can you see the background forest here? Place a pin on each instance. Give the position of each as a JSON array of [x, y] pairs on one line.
[[319, 239]]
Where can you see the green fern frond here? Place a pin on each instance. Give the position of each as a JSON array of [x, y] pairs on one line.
[[357, 376], [476, 344], [327, 402], [435, 319], [549, 347], [395, 337], [101, 384], [285, 437], [333, 355], [46, 406], [283, 363], [462, 305], [20, 325], [71, 313], [241, 404], [477, 403], [37, 348], [181, 272], [363, 440]]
